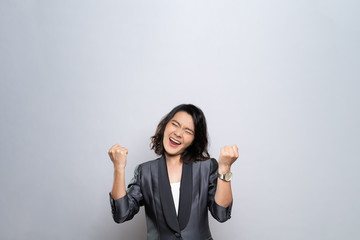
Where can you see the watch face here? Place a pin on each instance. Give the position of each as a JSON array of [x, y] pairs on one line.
[[228, 176]]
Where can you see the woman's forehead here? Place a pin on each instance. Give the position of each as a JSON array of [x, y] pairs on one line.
[[184, 119]]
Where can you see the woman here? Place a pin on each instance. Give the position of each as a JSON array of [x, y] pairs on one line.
[[180, 186]]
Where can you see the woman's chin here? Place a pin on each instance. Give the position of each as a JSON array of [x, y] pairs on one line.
[[172, 153]]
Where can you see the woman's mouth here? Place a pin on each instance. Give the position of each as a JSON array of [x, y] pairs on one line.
[[174, 142]]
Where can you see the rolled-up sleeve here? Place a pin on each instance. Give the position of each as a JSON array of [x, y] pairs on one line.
[[125, 208], [220, 213]]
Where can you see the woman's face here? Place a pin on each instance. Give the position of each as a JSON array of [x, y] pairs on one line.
[[179, 133]]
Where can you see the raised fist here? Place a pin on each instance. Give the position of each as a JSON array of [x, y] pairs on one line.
[[118, 155], [228, 155]]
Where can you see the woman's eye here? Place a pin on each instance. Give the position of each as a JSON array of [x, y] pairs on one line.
[[189, 132], [174, 124]]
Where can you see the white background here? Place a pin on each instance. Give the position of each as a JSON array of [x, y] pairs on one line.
[[278, 78]]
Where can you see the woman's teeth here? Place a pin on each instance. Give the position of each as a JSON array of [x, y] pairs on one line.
[[175, 141]]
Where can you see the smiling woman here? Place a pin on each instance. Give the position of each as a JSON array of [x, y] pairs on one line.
[[190, 122], [175, 212]]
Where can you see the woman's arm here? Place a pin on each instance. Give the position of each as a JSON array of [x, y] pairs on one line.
[[124, 205], [125, 208], [118, 189], [118, 157], [228, 155]]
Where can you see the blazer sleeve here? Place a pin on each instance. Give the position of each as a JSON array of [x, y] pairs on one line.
[[220, 213], [125, 208]]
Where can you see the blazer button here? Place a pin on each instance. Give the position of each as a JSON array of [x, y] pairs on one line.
[[177, 235]]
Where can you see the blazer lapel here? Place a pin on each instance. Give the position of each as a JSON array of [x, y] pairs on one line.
[[186, 187], [166, 198], [176, 223]]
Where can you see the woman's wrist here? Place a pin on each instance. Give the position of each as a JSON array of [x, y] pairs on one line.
[[119, 169], [224, 168]]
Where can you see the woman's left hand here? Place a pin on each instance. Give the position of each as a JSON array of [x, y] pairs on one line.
[[228, 156]]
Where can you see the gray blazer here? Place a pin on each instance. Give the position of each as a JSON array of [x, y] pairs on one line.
[[151, 187]]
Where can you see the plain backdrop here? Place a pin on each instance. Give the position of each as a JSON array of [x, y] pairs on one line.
[[278, 78]]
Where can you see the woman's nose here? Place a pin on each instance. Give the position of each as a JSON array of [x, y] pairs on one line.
[[178, 133]]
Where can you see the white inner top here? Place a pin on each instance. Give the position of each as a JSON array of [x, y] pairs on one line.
[[175, 190]]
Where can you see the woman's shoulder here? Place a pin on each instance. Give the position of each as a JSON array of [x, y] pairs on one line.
[[209, 163], [149, 163], [145, 166]]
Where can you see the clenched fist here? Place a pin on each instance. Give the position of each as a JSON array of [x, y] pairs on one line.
[[228, 155], [118, 155]]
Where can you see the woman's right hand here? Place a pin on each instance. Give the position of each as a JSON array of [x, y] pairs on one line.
[[118, 155]]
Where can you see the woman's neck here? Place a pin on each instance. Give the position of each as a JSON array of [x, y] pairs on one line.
[[174, 168], [173, 159]]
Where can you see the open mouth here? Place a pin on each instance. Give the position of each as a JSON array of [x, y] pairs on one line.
[[174, 142]]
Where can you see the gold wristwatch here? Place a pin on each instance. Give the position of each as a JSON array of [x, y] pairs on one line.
[[226, 177]]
